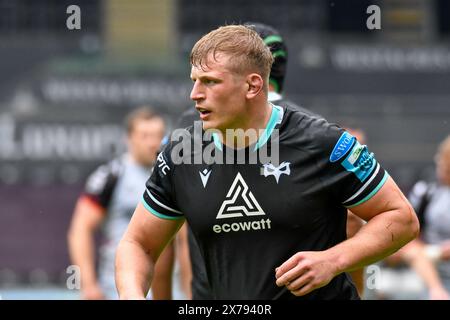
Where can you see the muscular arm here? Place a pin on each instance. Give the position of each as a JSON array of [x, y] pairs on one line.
[[391, 224], [138, 251], [354, 224], [86, 219], [162, 278]]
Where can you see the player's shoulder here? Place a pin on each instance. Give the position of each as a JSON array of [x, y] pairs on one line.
[[104, 174], [308, 131], [183, 145], [114, 166], [286, 103], [183, 134]]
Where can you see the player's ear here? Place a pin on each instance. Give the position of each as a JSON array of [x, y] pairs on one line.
[[255, 85]]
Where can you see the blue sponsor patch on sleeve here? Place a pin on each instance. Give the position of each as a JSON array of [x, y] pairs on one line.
[[360, 161], [344, 144]]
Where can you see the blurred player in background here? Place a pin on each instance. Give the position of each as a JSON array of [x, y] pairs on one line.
[[412, 255], [108, 201], [290, 241], [432, 203]]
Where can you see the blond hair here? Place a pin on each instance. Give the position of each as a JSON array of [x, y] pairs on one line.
[[246, 50]]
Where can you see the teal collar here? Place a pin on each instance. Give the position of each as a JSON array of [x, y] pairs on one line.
[[275, 118]]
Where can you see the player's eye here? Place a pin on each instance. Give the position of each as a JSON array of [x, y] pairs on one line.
[[209, 81]]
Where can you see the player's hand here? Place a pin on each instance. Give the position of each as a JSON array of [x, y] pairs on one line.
[[92, 292], [305, 271]]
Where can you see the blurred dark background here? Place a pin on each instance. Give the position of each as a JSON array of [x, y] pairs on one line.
[[64, 93]]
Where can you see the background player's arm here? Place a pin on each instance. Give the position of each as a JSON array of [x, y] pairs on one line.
[[414, 254], [184, 260], [138, 251], [85, 221], [391, 224]]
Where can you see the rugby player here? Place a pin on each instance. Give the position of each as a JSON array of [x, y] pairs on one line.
[[108, 201], [194, 275], [266, 230]]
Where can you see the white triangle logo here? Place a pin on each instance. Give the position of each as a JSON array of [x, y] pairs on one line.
[[204, 175], [239, 189]]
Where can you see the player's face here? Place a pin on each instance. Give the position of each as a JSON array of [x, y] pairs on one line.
[[219, 94], [144, 140]]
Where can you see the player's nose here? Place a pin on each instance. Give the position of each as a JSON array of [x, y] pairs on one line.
[[197, 92]]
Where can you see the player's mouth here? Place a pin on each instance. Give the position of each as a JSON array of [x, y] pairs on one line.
[[204, 113]]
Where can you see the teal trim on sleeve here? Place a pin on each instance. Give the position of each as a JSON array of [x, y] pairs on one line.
[[374, 191], [156, 213]]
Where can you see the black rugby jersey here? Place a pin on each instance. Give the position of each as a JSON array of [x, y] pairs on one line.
[[249, 218], [199, 285]]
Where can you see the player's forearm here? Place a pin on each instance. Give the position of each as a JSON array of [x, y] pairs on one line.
[[134, 269], [82, 254], [380, 237], [162, 275], [424, 267]]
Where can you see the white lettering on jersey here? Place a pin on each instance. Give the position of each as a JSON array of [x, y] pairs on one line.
[[162, 163]]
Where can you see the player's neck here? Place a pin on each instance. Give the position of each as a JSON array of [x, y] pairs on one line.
[[250, 129]]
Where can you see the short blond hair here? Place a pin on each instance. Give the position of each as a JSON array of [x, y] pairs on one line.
[[245, 48]]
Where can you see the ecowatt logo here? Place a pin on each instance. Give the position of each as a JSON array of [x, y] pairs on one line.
[[250, 208]]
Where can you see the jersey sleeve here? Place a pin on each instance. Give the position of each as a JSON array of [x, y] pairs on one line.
[[158, 197], [100, 185], [351, 171]]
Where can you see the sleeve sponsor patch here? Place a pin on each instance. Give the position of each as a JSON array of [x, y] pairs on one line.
[[344, 144], [360, 161]]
